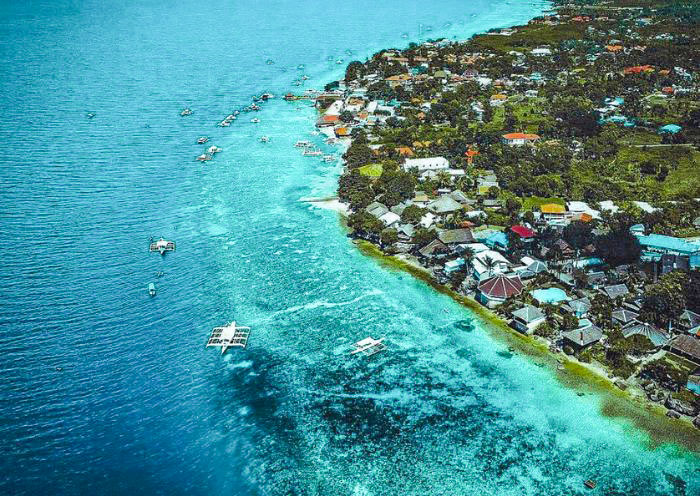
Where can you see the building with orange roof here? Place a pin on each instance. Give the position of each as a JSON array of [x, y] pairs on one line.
[[667, 90], [517, 139], [342, 132], [638, 69], [614, 48], [470, 154], [405, 151], [498, 99]]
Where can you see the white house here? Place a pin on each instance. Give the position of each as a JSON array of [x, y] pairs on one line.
[[480, 267], [541, 52], [425, 164], [389, 218]]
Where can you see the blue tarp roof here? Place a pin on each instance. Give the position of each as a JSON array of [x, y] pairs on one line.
[[660, 241]]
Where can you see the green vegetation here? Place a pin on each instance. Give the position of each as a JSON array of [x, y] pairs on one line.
[[371, 170]]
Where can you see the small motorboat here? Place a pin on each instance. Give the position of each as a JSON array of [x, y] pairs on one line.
[[91, 115], [255, 120], [160, 274], [264, 139], [300, 67], [151, 289], [202, 139], [339, 61], [302, 144], [162, 246], [590, 484], [186, 111], [266, 96], [224, 123], [254, 107], [230, 118], [312, 153], [204, 157], [213, 149], [269, 62], [305, 77]]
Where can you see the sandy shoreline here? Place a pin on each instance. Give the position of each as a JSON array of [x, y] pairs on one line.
[[331, 203]]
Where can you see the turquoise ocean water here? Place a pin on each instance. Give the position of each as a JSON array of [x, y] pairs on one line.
[[105, 390]]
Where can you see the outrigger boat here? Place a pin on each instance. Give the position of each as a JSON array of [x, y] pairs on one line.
[[228, 336], [162, 246], [202, 139], [224, 123], [204, 157], [151, 289], [266, 96], [213, 149], [264, 139], [255, 120], [302, 144], [369, 346], [186, 111]]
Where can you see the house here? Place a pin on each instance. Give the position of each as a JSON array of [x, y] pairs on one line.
[[638, 69], [389, 218], [637, 229], [527, 318], [427, 220], [498, 99], [587, 334], [405, 232], [564, 248], [579, 307], [689, 322], [623, 317], [615, 291], [498, 240], [656, 336], [541, 52], [686, 346], [434, 249], [494, 291], [377, 209], [487, 263], [524, 233], [444, 205], [670, 129], [644, 206], [518, 139], [456, 236], [425, 164], [595, 280], [553, 212], [579, 207]]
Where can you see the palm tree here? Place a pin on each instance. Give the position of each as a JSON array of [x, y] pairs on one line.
[[490, 264]]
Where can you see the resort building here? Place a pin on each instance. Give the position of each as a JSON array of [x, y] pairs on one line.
[[426, 164], [494, 291], [487, 263], [527, 318], [656, 245], [587, 334], [519, 139]]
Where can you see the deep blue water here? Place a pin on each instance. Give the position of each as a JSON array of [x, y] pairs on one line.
[[107, 391]]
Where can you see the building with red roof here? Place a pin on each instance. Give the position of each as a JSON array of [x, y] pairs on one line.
[[638, 69], [523, 232], [517, 139], [495, 290]]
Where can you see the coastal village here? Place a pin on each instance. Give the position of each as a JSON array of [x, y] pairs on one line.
[[551, 173]]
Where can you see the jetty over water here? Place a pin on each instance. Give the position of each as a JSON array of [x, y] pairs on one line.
[[230, 335]]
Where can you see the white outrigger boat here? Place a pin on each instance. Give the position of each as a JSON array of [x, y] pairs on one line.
[[255, 120], [162, 246], [264, 139], [151, 289], [228, 336], [369, 346], [202, 139], [302, 144], [213, 149], [204, 157], [186, 111], [312, 153]]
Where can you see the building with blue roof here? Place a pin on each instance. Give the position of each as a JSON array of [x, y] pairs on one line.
[[670, 129], [497, 240], [655, 245]]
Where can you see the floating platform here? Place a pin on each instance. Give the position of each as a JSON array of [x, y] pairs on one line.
[[369, 346], [228, 336]]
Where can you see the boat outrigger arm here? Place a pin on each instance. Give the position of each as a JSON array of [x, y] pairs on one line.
[[228, 336]]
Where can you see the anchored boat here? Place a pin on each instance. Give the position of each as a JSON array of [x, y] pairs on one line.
[[186, 111], [151, 289], [230, 335], [369, 346], [202, 139], [162, 246]]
